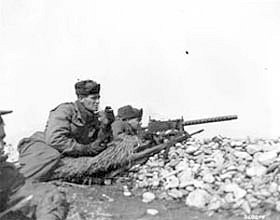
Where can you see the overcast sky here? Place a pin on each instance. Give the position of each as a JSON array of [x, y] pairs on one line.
[[137, 51]]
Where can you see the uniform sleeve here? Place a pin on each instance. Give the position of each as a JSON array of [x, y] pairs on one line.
[[58, 131]]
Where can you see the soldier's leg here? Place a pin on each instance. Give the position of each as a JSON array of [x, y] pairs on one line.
[[48, 201]]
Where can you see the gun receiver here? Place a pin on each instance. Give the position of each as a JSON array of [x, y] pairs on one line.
[[179, 124]]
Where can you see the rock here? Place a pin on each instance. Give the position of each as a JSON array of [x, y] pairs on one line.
[[236, 143], [229, 198], [171, 182], [182, 166], [236, 175], [191, 149], [218, 157], [175, 193], [190, 188], [152, 211], [155, 183], [127, 193], [148, 197], [227, 175], [246, 207], [198, 184], [256, 169], [243, 155], [185, 177], [264, 192], [208, 178], [235, 189], [215, 203], [253, 148], [273, 187], [277, 206], [267, 157], [198, 198]]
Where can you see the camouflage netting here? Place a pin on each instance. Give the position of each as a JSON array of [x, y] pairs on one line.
[[91, 169]]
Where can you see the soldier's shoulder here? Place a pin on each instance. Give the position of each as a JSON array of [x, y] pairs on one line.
[[64, 106], [67, 108]]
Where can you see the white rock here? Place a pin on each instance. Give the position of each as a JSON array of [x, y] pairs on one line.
[[198, 184], [182, 165], [198, 198], [277, 207], [256, 169], [171, 182], [253, 148], [237, 191], [148, 197], [273, 147], [127, 193], [191, 149], [208, 178], [152, 211], [214, 204], [229, 198], [190, 188], [175, 193], [185, 177], [246, 207], [273, 187], [267, 157], [218, 157], [236, 143], [243, 155]]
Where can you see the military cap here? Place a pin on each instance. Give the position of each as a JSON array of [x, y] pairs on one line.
[[87, 87], [128, 112]]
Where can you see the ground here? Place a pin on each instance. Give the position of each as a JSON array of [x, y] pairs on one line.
[[108, 202]]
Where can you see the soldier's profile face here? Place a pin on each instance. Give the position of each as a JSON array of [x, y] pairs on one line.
[[134, 122], [91, 102]]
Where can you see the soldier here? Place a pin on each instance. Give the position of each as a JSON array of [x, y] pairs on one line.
[[73, 129], [128, 121], [19, 199]]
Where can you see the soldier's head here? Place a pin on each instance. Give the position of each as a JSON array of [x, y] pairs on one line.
[[131, 115], [87, 92], [2, 130]]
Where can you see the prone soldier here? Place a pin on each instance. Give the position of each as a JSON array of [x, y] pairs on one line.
[[21, 199]]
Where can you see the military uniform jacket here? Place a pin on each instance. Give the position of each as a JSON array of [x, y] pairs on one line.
[[66, 129]]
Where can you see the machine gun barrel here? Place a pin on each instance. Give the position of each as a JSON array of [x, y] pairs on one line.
[[210, 120]]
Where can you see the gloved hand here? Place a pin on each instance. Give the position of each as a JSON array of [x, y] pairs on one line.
[[110, 114], [107, 116]]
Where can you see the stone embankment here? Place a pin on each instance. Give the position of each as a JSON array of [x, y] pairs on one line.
[[220, 174]]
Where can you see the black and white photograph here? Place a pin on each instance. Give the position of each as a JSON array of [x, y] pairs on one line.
[[139, 110]]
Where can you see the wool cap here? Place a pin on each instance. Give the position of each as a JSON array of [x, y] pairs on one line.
[[128, 112], [87, 87]]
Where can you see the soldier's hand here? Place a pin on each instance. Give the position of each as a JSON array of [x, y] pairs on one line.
[[107, 116], [110, 114]]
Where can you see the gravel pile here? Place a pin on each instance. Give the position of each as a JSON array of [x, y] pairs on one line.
[[241, 177]]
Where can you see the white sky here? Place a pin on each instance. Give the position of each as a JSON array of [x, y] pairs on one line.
[[136, 50]]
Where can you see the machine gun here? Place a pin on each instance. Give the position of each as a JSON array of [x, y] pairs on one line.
[[177, 125], [158, 131]]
